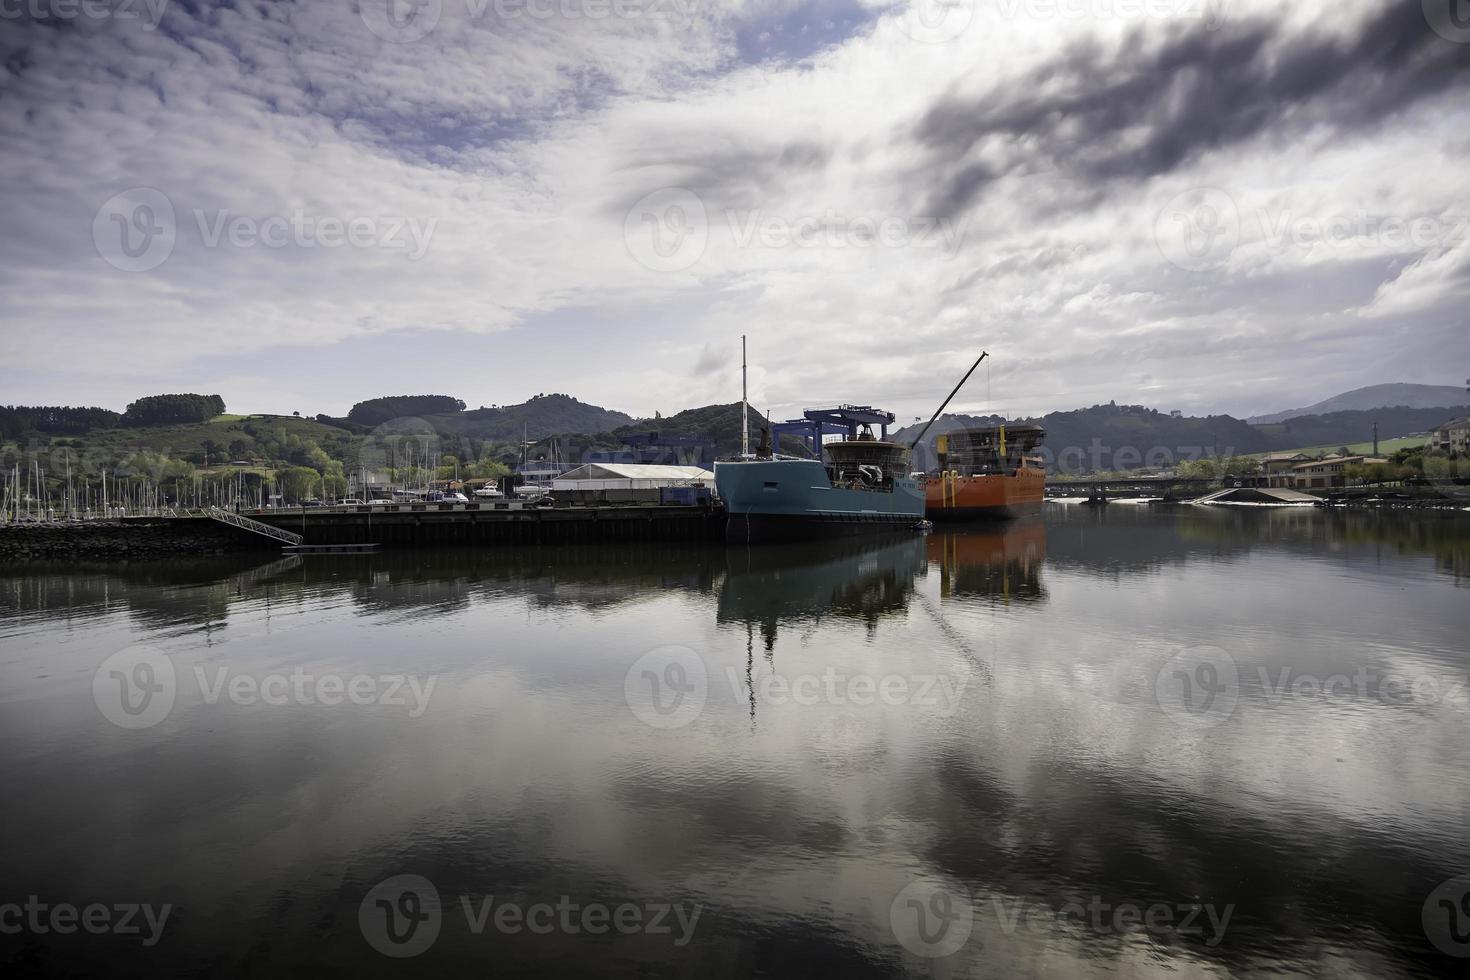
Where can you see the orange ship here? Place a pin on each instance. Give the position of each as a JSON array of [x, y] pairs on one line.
[[990, 472]]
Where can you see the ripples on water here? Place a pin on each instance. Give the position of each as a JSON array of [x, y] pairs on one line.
[[953, 755]]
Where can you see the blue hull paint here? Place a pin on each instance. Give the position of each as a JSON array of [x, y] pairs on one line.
[[789, 499]]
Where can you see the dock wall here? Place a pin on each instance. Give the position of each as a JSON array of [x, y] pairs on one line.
[[461, 525], [125, 539]]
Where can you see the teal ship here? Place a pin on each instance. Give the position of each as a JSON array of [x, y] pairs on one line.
[[857, 484]]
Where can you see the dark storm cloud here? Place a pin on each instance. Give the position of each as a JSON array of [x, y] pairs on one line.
[[1146, 109]]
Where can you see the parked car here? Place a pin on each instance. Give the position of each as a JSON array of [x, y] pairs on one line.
[[349, 502], [312, 503]]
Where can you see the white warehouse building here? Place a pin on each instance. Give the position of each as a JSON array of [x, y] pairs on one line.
[[631, 476]]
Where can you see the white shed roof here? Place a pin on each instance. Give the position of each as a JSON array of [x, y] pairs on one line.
[[635, 471]]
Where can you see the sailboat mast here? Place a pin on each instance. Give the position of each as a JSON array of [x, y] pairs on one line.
[[744, 404]]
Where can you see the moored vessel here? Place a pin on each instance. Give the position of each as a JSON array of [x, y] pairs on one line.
[[858, 483], [989, 472]]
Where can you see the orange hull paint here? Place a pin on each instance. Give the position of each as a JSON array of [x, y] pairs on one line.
[[980, 497], [1003, 560]]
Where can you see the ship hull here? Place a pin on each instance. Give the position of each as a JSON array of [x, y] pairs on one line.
[[981, 498], [792, 500]]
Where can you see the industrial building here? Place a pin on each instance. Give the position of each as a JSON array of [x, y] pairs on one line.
[[611, 483]]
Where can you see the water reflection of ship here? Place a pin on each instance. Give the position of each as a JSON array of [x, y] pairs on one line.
[[865, 581], [1004, 562]]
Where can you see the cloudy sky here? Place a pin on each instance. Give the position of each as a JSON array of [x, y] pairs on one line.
[[1224, 205]]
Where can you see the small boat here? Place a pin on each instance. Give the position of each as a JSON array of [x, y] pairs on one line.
[[489, 492]]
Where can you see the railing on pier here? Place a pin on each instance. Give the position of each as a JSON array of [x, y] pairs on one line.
[[257, 527]]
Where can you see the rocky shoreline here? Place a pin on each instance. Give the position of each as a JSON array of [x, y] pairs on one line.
[[125, 540]]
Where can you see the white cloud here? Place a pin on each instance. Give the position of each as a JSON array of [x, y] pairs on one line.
[[518, 144]]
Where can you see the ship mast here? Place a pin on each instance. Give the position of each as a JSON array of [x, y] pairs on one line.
[[744, 405]]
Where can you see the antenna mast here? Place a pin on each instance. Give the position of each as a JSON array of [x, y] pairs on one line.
[[744, 404]]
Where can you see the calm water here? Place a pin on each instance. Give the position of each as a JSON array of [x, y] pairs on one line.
[[1157, 743]]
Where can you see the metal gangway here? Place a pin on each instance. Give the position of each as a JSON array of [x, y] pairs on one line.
[[256, 527]]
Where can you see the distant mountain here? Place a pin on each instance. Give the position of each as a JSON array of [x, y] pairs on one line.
[[1347, 428], [1376, 396], [1119, 437], [1115, 437]]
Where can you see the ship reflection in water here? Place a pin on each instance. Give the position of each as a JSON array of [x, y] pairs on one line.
[[997, 560], [858, 580], [961, 754]]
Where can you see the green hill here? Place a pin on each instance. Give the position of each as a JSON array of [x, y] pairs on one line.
[[537, 418]]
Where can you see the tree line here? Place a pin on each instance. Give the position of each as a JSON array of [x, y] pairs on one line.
[[68, 420]]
